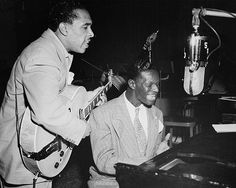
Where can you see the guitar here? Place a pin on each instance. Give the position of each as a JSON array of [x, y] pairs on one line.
[[45, 153]]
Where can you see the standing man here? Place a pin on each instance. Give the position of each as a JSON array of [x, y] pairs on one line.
[[39, 76], [127, 129]]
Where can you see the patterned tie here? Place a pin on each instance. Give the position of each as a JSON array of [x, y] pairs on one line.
[[140, 134]]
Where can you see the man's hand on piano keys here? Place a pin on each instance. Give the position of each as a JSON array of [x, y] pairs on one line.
[[164, 145]]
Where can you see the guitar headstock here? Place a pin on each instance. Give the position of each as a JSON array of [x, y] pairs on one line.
[[150, 40]]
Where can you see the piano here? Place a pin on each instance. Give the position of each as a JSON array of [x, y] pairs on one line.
[[204, 161]]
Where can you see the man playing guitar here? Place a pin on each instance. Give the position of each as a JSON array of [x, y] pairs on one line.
[[37, 107]]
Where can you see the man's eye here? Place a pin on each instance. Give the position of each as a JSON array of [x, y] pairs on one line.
[[148, 85]]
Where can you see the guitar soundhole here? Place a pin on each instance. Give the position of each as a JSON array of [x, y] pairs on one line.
[[56, 165]]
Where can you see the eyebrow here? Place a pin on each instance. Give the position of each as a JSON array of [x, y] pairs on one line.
[[87, 24]]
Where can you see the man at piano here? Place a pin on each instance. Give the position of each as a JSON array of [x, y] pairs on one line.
[[127, 129]]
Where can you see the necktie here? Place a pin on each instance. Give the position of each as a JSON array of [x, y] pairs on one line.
[[140, 134]]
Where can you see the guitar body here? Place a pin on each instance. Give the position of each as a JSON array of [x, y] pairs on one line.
[[35, 138]]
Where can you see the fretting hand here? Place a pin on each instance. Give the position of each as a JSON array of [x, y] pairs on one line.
[[103, 99], [92, 94]]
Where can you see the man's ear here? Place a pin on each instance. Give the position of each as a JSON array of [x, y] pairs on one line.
[[63, 28], [131, 83]]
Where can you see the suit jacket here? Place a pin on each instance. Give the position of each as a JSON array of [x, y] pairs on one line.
[[39, 75], [113, 139]]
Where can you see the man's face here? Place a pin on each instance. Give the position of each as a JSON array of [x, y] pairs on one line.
[[146, 87], [80, 32]]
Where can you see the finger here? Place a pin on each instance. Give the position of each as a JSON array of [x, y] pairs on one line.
[[167, 137], [92, 94], [103, 99]]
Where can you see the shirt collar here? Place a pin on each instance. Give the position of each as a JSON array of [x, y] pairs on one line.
[[130, 105], [64, 51]]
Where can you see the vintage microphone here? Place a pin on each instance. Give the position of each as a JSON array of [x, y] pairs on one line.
[[195, 55]]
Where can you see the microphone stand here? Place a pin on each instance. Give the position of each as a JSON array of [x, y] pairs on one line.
[[148, 46], [213, 12], [150, 53], [150, 62]]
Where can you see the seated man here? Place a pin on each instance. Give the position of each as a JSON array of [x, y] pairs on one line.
[[120, 134]]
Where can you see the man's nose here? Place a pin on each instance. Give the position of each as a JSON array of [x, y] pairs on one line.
[[91, 33], [155, 88]]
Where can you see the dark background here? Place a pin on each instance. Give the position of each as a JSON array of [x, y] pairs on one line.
[[121, 28]]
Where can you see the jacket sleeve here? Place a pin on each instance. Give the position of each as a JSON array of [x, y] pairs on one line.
[[104, 153], [41, 82], [162, 143], [164, 128]]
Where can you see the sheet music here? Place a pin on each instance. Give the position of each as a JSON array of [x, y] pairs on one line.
[[224, 128], [228, 98]]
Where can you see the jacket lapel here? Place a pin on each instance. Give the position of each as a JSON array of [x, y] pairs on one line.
[[124, 128], [153, 125]]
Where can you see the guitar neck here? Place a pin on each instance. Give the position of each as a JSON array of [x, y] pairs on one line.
[[95, 100]]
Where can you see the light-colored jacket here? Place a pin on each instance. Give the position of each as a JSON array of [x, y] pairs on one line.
[[39, 74], [113, 140]]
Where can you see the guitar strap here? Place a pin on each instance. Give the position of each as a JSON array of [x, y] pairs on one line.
[[54, 145]]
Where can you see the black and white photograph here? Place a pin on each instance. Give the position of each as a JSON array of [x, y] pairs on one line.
[[117, 93]]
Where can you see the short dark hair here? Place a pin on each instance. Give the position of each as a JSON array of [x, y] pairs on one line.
[[139, 66], [63, 11]]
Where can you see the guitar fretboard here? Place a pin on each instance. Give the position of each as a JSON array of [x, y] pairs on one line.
[[94, 101]]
